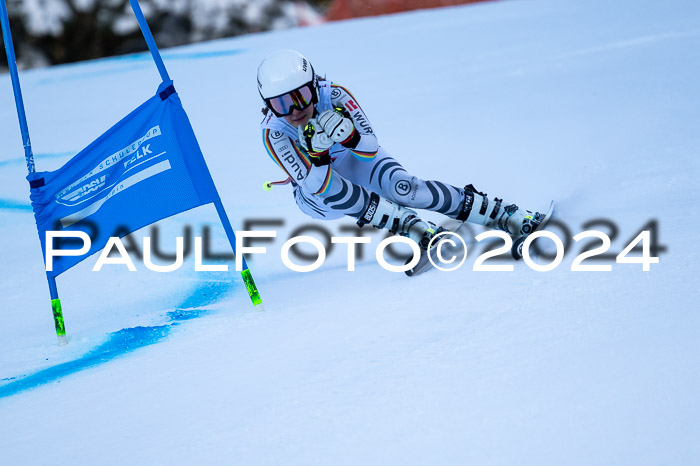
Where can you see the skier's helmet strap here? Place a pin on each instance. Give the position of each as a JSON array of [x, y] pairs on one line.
[[284, 71]]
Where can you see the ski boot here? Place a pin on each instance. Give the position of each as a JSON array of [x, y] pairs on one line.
[[540, 221], [517, 222], [399, 220]]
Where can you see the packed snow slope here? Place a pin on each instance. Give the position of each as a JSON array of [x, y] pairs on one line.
[[595, 104]]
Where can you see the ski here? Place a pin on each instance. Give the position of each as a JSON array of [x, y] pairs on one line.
[[424, 263], [459, 228]]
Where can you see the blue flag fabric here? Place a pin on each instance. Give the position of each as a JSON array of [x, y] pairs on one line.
[[145, 168]]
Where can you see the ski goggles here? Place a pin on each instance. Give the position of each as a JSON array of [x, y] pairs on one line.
[[299, 98]]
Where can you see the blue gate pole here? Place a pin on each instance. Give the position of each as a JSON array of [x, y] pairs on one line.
[[10, 51], [245, 271], [146, 31], [28, 155]]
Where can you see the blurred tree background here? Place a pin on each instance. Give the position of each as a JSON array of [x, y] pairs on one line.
[[48, 32]]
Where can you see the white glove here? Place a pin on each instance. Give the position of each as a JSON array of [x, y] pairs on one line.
[[313, 139], [336, 125]]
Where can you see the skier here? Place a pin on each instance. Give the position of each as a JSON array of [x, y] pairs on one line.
[[319, 135]]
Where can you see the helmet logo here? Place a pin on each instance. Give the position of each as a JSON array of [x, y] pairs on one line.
[[303, 64]]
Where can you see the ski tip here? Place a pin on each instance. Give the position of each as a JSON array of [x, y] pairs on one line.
[[547, 216], [550, 209]]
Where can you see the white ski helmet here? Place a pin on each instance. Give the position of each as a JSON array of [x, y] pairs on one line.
[[285, 71]]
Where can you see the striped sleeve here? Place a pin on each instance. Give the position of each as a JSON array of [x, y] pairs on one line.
[[325, 188], [286, 155], [367, 145], [326, 183], [270, 151]]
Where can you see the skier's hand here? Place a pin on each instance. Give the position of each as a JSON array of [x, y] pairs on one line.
[[337, 124], [315, 142]]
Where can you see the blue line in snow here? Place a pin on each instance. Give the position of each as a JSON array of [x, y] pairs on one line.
[[146, 56], [22, 161], [10, 204], [15, 205], [139, 60], [123, 341], [119, 343], [201, 55]]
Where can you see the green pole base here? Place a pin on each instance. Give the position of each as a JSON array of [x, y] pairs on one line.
[[252, 288], [58, 322]]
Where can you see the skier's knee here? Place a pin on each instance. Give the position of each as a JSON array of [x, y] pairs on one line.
[[403, 190]]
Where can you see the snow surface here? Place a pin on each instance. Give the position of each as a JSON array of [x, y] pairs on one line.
[[594, 104]]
